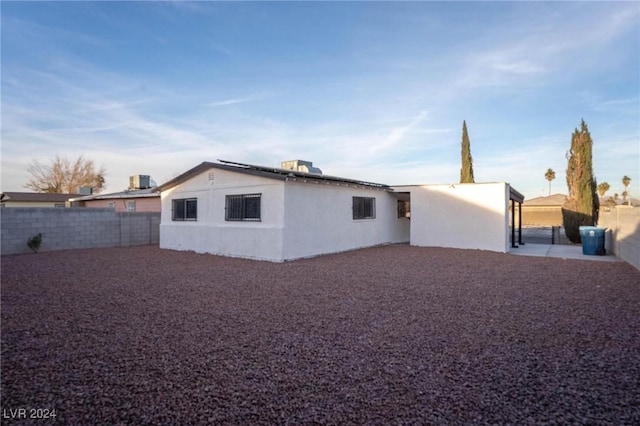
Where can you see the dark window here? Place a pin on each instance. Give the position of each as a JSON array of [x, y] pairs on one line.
[[244, 207], [404, 208], [185, 209], [364, 208]]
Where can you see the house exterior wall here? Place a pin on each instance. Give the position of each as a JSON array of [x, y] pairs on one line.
[[303, 217], [143, 204], [297, 219], [319, 220], [466, 216], [210, 233]]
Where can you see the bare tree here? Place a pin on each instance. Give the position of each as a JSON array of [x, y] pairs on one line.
[[63, 175]]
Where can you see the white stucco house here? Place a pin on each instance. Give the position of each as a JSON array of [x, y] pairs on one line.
[[280, 214]]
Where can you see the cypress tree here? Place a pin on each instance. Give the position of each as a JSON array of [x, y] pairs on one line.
[[466, 172], [582, 205]]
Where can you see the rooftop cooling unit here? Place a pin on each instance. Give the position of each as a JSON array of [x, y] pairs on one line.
[[300, 166], [139, 182], [85, 190]]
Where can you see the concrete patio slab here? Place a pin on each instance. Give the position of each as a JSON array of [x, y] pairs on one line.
[[561, 251]]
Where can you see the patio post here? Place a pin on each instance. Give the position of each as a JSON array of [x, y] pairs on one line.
[[513, 224], [520, 223]]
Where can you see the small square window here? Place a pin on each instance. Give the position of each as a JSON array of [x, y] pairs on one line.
[[131, 206], [364, 208], [243, 207], [184, 209]]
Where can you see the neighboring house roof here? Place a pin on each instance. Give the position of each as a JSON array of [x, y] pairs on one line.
[[138, 193], [266, 172], [36, 197], [553, 200]]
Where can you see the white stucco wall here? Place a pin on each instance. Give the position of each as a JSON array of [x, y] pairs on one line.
[[302, 219], [211, 233], [467, 216], [299, 219], [319, 219]]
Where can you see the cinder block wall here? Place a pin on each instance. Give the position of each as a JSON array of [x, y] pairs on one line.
[[624, 223], [75, 228]]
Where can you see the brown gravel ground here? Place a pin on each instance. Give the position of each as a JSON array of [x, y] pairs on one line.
[[387, 335]]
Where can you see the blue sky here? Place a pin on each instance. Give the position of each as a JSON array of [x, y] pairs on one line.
[[373, 91]]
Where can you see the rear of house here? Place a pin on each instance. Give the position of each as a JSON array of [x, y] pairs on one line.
[[274, 214], [279, 214]]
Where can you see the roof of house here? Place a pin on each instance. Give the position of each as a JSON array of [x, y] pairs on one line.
[[266, 172], [553, 200], [136, 193], [36, 197]]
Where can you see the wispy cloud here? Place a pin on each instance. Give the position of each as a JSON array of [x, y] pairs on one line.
[[360, 112], [596, 102], [544, 45], [397, 134], [229, 102]]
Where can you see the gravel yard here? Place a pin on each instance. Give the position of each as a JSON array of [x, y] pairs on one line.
[[387, 335]]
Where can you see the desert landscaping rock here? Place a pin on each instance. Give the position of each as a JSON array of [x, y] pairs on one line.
[[386, 335]]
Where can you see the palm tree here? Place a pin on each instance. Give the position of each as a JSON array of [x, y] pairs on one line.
[[626, 180], [550, 175], [603, 188]]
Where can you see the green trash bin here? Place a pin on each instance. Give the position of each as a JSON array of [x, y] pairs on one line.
[[592, 240]]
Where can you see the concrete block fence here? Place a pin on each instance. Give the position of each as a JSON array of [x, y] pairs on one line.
[[623, 225], [76, 228]]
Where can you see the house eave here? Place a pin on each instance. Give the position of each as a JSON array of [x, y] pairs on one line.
[[115, 196], [269, 173]]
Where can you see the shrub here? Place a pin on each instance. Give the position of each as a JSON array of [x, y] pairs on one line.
[[34, 242], [572, 221]]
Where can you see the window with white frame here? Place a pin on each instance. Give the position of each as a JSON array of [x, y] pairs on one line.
[[364, 208], [131, 206], [243, 208], [184, 209]]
